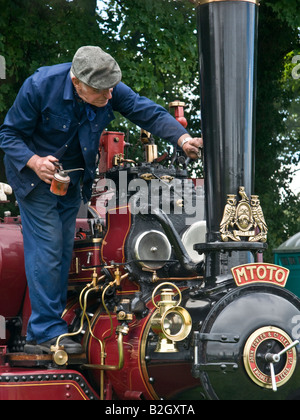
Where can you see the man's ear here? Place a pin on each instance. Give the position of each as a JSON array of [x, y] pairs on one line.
[[75, 81]]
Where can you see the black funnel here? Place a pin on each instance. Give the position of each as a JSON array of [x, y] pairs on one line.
[[227, 33]]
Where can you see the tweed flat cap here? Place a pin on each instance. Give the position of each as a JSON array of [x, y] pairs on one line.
[[96, 68]]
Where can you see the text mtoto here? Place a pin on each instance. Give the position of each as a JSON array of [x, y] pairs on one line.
[[260, 272]]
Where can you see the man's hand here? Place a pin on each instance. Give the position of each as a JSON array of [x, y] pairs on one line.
[[191, 147], [43, 167]]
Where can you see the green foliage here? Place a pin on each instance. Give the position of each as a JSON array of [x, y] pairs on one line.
[[278, 142], [288, 11], [147, 37], [35, 33], [155, 42]]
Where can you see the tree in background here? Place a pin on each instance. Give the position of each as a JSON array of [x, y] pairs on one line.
[[35, 33], [155, 43], [278, 128]]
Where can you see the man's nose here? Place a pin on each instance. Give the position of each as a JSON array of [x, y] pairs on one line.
[[108, 93]]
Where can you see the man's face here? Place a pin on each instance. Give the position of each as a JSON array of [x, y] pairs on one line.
[[93, 96]]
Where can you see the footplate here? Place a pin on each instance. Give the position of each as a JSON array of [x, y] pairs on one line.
[[38, 360]]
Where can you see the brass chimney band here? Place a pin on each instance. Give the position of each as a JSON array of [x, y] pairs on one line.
[[200, 2]]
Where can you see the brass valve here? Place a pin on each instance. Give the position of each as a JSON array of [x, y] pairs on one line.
[[123, 311], [179, 112], [95, 279]]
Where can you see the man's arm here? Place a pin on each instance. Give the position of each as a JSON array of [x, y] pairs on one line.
[[153, 118], [19, 126]]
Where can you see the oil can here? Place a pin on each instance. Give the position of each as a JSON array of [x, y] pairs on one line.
[[61, 180], [60, 184]]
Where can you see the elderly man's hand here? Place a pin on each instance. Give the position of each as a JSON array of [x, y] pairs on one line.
[[43, 167], [191, 146]]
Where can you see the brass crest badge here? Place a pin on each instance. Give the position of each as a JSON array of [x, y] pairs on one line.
[[243, 219]]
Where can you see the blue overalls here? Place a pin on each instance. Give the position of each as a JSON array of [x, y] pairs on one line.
[[47, 119]]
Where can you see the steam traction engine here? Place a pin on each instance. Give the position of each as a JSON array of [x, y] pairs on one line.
[[167, 305]]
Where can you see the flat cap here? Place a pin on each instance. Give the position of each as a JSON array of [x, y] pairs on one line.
[[96, 68]]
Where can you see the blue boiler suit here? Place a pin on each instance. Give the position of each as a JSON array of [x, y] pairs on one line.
[[48, 118]]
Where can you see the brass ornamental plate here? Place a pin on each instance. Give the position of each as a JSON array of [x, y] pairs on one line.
[[243, 220]]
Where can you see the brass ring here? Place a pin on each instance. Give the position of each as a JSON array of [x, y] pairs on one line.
[[164, 284]]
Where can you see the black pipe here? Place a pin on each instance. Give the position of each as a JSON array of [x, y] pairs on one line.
[[227, 33]]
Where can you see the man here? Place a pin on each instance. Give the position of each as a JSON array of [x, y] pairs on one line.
[[59, 115]]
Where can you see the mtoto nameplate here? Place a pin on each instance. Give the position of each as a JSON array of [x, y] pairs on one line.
[[260, 273]]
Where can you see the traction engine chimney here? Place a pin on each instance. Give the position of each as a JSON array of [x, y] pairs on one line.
[[227, 33]]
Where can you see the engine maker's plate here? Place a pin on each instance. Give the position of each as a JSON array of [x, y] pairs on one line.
[[269, 340]]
